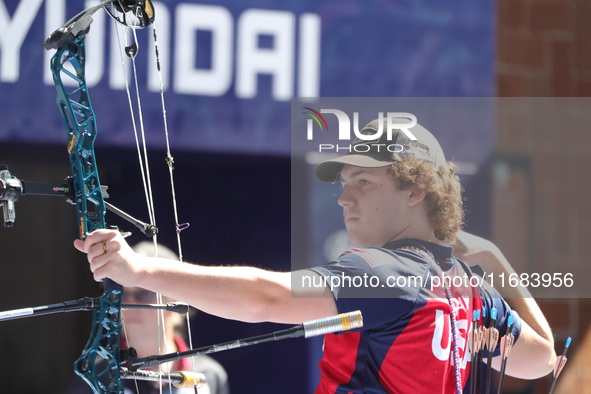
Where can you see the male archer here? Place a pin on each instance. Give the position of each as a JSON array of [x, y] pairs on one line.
[[401, 210]]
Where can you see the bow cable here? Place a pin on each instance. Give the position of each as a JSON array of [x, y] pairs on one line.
[[142, 152], [169, 157], [131, 52], [170, 162]]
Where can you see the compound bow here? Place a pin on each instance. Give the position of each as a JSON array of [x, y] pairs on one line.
[[84, 190], [80, 122]]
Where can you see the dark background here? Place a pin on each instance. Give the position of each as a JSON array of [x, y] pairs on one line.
[[238, 210]]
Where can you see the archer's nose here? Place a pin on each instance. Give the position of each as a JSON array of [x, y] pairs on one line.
[[346, 198]]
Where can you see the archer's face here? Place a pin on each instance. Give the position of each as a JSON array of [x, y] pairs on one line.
[[140, 322], [142, 325], [374, 208]]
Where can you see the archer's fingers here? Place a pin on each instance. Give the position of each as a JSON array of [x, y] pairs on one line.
[[79, 244], [97, 267], [108, 254], [95, 238], [111, 265], [102, 235], [98, 275]]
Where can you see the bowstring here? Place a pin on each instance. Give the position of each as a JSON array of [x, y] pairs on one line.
[[145, 173], [169, 157], [137, 389], [142, 153], [170, 164]]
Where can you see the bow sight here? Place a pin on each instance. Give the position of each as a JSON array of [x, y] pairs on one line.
[[12, 188]]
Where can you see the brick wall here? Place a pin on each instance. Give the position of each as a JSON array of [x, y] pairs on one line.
[[542, 183], [543, 48]]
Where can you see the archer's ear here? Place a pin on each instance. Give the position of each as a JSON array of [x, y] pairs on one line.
[[417, 194]]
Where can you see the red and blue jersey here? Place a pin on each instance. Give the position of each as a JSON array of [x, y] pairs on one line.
[[405, 345]]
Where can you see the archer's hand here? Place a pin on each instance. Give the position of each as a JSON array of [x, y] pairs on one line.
[[478, 251], [110, 256], [474, 250]]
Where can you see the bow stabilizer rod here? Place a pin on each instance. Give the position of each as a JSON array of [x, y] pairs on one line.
[[85, 304], [312, 328]]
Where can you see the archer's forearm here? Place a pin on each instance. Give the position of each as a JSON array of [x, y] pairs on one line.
[[240, 293], [536, 342], [519, 298]]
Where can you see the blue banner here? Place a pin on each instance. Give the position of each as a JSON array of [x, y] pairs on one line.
[[230, 67]]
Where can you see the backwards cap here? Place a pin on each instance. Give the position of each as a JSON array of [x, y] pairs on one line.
[[381, 152]]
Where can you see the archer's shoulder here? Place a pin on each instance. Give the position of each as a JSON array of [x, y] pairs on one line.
[[374, 257]]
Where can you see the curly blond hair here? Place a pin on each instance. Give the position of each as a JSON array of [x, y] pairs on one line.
[[443, 201]]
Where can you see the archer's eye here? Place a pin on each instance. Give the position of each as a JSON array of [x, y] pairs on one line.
[[363, 182]]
